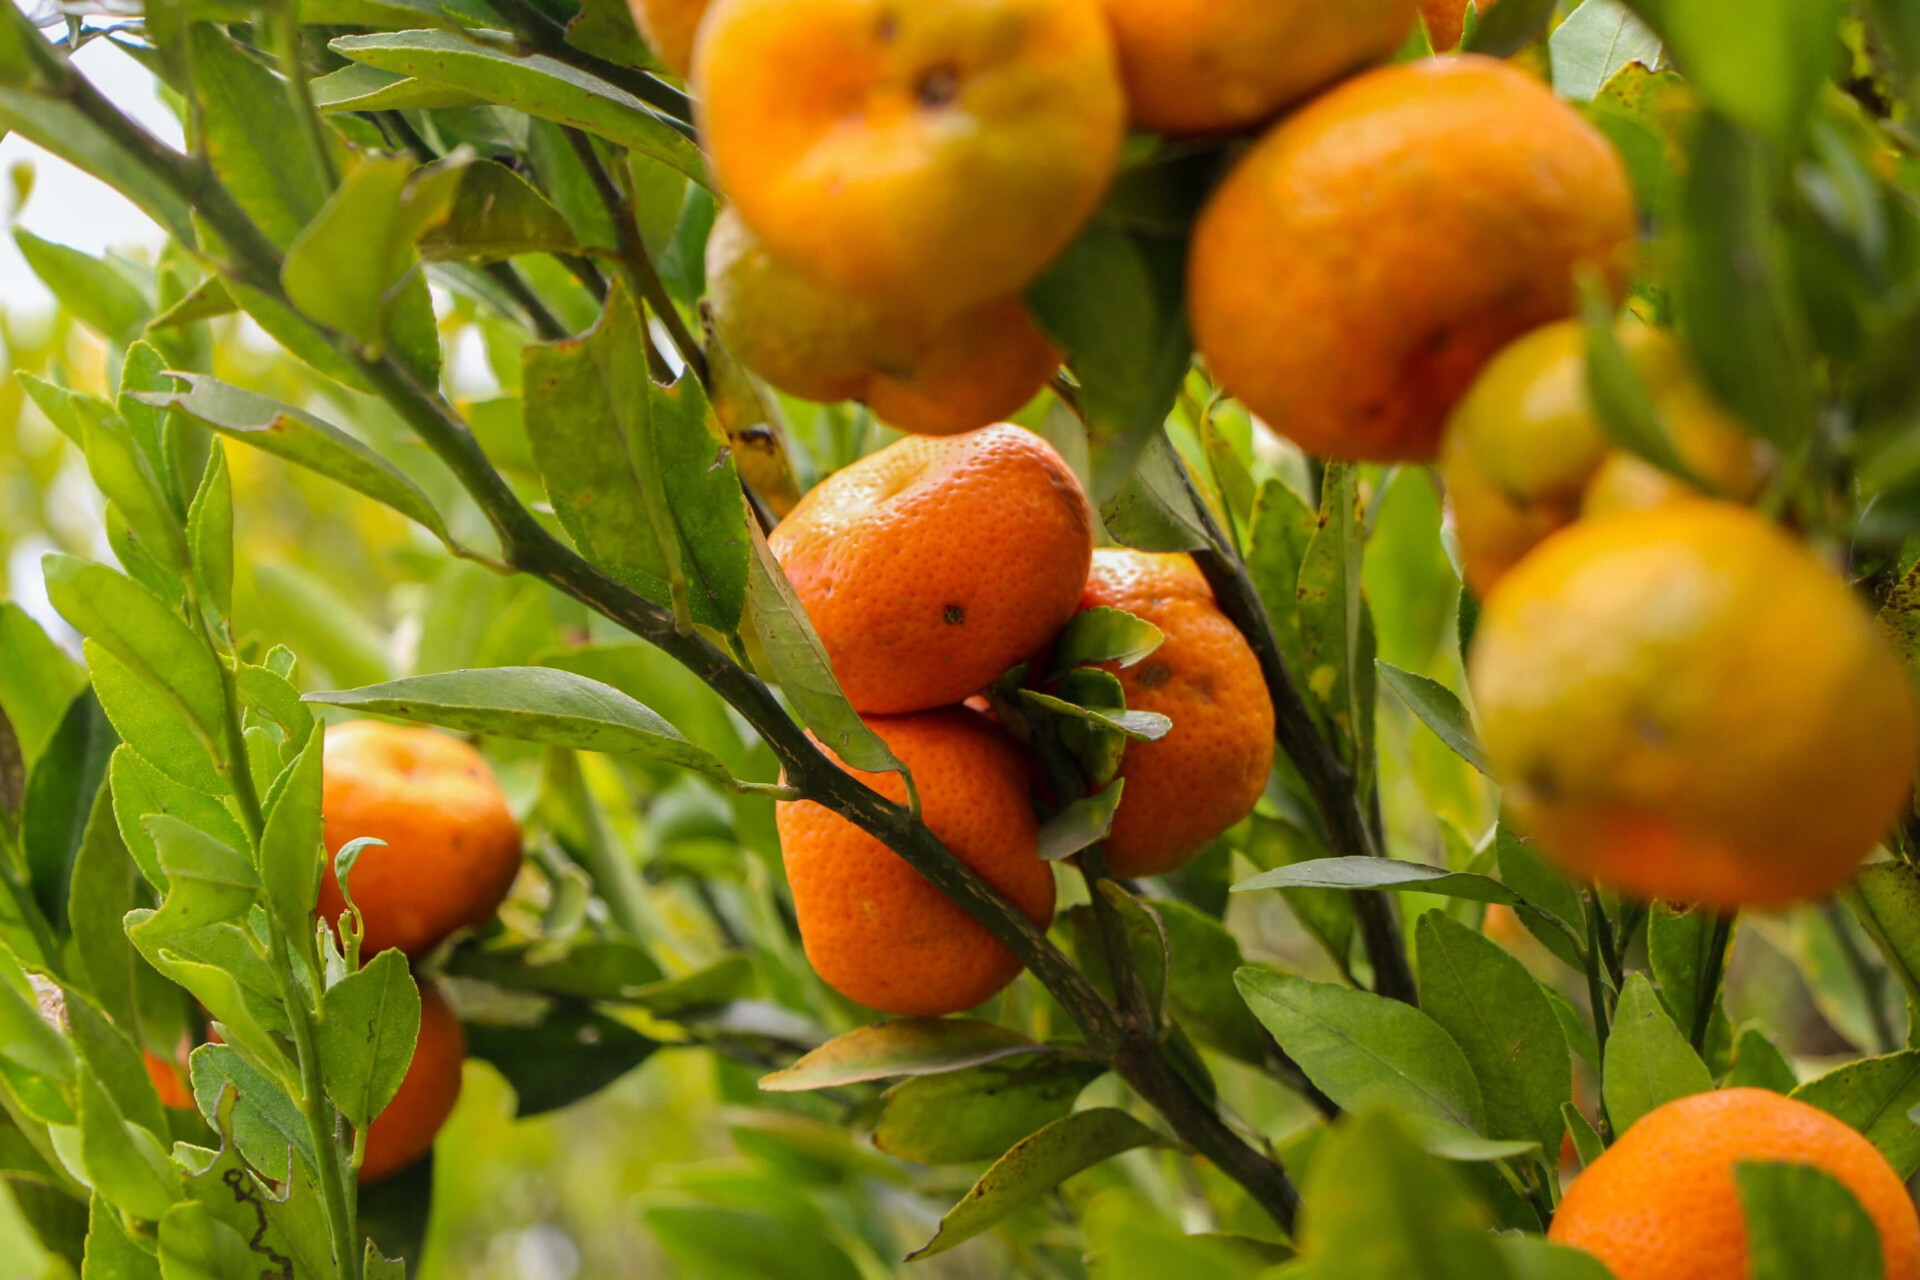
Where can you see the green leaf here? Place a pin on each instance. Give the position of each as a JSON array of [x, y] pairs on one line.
[[1548, 890], [1330, 604], [65, 131], [1885, 899], [1587, 1144], [266, 1125], [1373, 1204], [1103, 634], [140, 789], [496, 214], [1875, 1096], [301, 438], [324, 626], [109, 1053], [1440, 710], [291, 848], [1532, 1258], [1678, 943], [59, 798], [1359, 1048], [1649, 1062], [207, 300], [902, 1047], [1597, 39], [1505, 30], [105, 886], [1620, 401], [801, 668], [1498, 1015], [272, 695], [254, 138], [977, 1113], [38, 681], [1202, 958], [1152, 509], [362, 88], [128, 479], [1762, 62], [1730, 288], [606, 29], [27, 1039], [67, 409], [111, 1253], [126, 1165], [1145, 938], [1035, 1166], [535, 84], [285, 326], [368, 1025], [1802, 1221], [210, 535], [94, 292], [638, 474], [1141, 726], [1082, 824], [566, 1054], [1113, 302], [1759, 1064], [607, 969], [207, 882], [229, 965], [196, 1245], [747, 1244], [532, 704], [151, 723], [142, 633]]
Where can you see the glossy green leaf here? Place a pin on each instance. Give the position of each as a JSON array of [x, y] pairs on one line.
[[1036, 1166], [142, 633], [207, 882], [151, 723], [196, 1245], [254, 138], [902, 1047], [1537, 883], [1498, 1015], [977, 1113], [743, 1244], [637, 473], [496, 214], [565, 1054], [1360, 1048], [269, 694], [1649, 1062], [532, 704], [105, 886], [140, 789], [266, 1125], [111, 1253], [128, 479], [1759, 1064], [126, 1165], [38, 681], [1678, 945], [368, 1025], [95, 292], [1152, 509], [59, 798], [607, 969], [536, 84], [109, 1053], [301, 438], [291, 850], [1202, 959], [1103, 634], [1885, 899], [1875, 1096], [210, 535], [1802, 1221], [801, 667], [1082, 824], [1587, 1144], [1440, 709], [1141, 726], [1597, 39], [356, 87]]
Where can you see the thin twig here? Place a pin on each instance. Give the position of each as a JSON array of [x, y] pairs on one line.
[[1709, 991], [548, 35]]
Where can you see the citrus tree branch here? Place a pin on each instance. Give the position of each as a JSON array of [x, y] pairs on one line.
[[547, 35], [1330, 782], [528, 547]]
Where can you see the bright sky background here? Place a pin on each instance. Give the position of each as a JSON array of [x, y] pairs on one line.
[[66, 204]]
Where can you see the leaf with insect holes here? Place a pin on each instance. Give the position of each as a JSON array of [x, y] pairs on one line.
[[1035, 1166], [368, 1024]]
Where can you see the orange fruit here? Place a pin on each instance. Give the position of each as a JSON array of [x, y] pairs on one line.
[[669, 27], [1197, 66], [453, 847], [1372, 252], [1684, 703], [1209, 770], [1662, 1203], [405, 1130], [933, 155], [1525, 452], [933, 565], [873, 929], [933, 377], [168, 1080], [1447, 20]]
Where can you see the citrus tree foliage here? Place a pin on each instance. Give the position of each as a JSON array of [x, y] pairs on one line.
[[1362, 1026]]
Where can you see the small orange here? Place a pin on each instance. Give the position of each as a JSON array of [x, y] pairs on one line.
[[933, 155], [873, 929], [453, 847], [169, 1081], [669, 27], [1525, 453], [1685, 703], [1371, 253], [1198, 66], [1447, 19], [932, 377], [933, 565], [404, 1132], [1662, 1203], [1209, 770]]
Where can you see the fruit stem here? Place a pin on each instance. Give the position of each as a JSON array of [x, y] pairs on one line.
[[528, 547], [1330, 781]]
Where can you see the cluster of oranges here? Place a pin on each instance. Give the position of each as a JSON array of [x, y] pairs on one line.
[[929, 569]]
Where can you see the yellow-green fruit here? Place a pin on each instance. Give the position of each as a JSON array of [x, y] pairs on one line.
[[931, 378], [1685, 703], [1525, 454]]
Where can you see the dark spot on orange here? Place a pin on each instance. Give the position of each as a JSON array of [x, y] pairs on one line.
[[1155, 674], [938, 88], [954, 615]]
